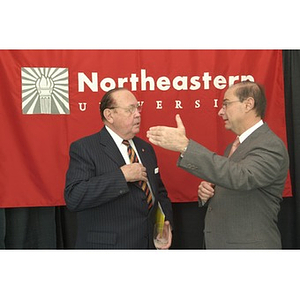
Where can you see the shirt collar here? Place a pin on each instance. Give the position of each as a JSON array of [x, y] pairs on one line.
[[244, 135], [118, 140]]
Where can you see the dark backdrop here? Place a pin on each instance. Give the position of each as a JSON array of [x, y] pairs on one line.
[[55, 227]]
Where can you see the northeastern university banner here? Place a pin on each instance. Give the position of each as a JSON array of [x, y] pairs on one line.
[[50, 98]]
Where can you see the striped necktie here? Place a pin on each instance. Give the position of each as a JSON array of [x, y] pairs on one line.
[[234, 146], [134, 159]]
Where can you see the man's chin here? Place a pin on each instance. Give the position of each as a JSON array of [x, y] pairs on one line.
[[136, 130]]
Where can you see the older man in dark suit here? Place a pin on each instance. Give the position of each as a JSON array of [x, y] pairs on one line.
[[243, 189], [115, 210]]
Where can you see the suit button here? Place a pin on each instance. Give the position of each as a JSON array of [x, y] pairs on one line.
[[191, 166]]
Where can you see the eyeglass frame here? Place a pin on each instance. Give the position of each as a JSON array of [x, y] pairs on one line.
[[226, 103], [131, 109]]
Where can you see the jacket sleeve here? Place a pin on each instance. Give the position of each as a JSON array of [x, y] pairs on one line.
[[258, 169]]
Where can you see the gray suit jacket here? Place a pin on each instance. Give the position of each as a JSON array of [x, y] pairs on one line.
[[243, 213], [111, 213]]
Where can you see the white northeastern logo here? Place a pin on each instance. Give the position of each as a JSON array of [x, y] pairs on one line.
[[45, 91]]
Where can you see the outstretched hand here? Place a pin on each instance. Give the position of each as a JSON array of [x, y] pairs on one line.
[[171, 138]]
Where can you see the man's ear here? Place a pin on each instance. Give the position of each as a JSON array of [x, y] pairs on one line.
[[108, 115], [250, 103]]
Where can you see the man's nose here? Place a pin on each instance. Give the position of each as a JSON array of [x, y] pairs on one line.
[[221, 112]]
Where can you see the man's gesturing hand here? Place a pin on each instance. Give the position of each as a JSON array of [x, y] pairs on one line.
[[171, 138]]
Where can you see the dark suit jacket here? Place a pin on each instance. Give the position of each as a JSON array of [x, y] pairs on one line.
[[243, 213], [111, 213]]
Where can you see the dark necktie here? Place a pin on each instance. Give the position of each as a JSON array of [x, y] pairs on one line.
[[234, 146], [134, 159]]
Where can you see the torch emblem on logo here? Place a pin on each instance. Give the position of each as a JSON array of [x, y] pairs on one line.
[[45, 91]]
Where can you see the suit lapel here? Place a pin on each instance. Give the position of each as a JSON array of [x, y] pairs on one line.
[[110, 147], [257, 134], [146, 158]]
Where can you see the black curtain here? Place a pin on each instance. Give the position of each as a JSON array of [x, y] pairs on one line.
[[55, 227], [28, 228], [290, 215]]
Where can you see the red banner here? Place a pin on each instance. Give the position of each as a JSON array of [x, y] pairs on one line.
[[50, 98]]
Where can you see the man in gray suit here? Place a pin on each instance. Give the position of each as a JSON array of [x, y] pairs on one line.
[[243, 189], [104, 187]]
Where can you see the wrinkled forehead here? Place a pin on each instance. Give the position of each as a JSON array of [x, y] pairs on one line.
[[124, 98]]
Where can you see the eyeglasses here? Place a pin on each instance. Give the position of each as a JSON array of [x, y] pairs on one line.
[[131, 109], [226, 103]]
